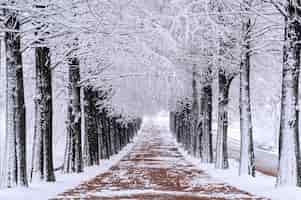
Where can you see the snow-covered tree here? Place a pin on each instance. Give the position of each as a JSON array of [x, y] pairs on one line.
[[247, 157], [289, 147], [73, 154], [15, 171], [42, 159]]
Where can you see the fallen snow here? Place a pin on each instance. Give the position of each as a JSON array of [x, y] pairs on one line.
[[39, 191], [130, 193], [261, 185]]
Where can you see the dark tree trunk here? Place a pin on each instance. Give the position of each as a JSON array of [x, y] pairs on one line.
[[105, 134], [205, 127], [116, 136], [101, 144], [172, 122], [100, 128], [187, 126], [224, 82], [195, 142], [111, 136], [43, 154], [91, 145], [73, 155], [289, 148]]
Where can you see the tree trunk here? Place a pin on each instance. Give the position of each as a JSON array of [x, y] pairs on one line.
[[101, 149], [247, 157], [73, 155], [205, 126], [106, 134], [91, 146], [187, 126], [172, 121], [289, 149], [112, 135], [43, 154], [224, 82], [15, 165], [116, 136], [195, 115]]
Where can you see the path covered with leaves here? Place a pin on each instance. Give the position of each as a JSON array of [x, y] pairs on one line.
[[154, 170]]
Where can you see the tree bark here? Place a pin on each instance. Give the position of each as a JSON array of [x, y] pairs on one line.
[[73, 155], [247, 157], [101, 143], [205, 126], [224, 82], [187, 127], [15, 165], [91, 145], [106, 134], [289, 149], [195, 145], [172, 121], [43, 154]]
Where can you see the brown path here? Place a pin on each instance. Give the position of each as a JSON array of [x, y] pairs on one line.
[[154, 170]]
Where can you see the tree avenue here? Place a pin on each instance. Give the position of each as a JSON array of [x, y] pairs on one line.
[[110, 63]]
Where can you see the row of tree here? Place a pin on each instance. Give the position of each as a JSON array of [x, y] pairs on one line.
[[105, 134], [191, 118], [209, 39]]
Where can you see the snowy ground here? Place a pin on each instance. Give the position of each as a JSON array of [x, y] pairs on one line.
[[155, 170], [262, 185], [266, 161], [39, 191]]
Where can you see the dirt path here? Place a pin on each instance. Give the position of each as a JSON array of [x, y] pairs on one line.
[[154, 170]]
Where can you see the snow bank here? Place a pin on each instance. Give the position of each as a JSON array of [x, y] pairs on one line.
[[39, 191], [261, 185]]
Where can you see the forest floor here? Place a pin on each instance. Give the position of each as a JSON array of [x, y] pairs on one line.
[[155, 170]]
